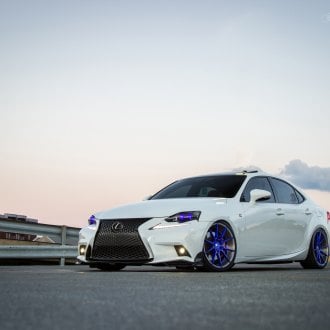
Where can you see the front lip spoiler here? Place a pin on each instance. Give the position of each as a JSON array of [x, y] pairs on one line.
[[120, 261], [198, 262]]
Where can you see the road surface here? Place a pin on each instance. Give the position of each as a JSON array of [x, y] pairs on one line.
[[248, 297]]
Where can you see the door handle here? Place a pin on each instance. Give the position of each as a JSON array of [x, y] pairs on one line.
[[308, 212], [279, 212]]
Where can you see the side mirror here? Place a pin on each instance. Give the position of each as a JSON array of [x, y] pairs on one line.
[[259, 195]]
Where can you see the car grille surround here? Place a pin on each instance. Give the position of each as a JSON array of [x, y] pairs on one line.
[[118, 240]]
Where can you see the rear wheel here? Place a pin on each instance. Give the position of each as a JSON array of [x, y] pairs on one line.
[[109, 267], [219, 249], [318, 253]]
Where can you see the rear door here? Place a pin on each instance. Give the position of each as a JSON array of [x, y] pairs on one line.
[[294, 216]]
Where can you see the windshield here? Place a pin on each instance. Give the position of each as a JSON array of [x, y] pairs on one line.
[[225, 186]]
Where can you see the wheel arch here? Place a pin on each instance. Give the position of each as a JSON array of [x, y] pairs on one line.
[[314, 229]]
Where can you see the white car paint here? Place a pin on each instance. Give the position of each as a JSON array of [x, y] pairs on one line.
[[265, 232]]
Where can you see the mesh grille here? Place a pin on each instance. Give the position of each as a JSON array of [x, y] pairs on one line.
[[119, 240]]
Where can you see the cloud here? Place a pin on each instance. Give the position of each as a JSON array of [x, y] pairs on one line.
[[307, 177]]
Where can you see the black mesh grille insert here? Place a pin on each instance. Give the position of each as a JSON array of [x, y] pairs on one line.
[[119, 240]]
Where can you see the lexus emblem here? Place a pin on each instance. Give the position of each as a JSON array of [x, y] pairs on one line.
[[117, 226]]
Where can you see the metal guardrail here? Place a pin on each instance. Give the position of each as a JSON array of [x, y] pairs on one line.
[[61, 250]]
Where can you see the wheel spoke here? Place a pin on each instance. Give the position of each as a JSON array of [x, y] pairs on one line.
[[217, 231], [219, 258], [225, 255], [213, 257], [323, 253], [230, 250], [319, 259], [212, 234], [317, 237], [210, 242], [209, 250], [223, 232]]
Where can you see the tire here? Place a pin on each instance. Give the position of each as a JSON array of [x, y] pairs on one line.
[[201, 269], [219, 249], [110, 267], [318, 253]]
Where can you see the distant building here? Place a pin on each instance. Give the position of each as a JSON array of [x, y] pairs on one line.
[[17, 236]]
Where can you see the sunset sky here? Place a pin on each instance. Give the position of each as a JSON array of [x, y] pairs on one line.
[[105, 102]]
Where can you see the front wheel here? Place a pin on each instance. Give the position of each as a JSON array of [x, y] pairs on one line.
[[318, 253], [219, 249]]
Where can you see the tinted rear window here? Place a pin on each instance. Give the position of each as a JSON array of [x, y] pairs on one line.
[[225, 186]]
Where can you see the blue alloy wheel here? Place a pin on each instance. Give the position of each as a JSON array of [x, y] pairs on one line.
[[320, 247], [219, 247], [318, 251]]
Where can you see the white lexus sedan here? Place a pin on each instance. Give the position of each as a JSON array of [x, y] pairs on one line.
[[211, 222]]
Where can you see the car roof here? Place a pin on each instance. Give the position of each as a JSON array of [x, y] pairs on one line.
[[248, 173]]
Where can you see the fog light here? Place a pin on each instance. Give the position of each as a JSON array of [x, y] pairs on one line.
[[181, 251], [82, 249]]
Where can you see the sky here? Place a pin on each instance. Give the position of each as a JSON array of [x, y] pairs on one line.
[[103, 103]]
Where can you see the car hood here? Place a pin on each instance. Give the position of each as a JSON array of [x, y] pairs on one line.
[[160, 208]]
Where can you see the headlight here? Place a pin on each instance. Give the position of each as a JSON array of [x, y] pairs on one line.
[[92, 221], [184, 216]]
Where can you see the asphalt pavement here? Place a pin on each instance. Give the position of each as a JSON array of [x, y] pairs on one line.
[[247, 297]]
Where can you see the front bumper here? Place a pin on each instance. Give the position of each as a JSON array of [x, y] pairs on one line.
[[164, 242]]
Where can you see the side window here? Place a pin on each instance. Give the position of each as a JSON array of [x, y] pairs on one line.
[[257, 183], [300, 197], [284, 192]]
